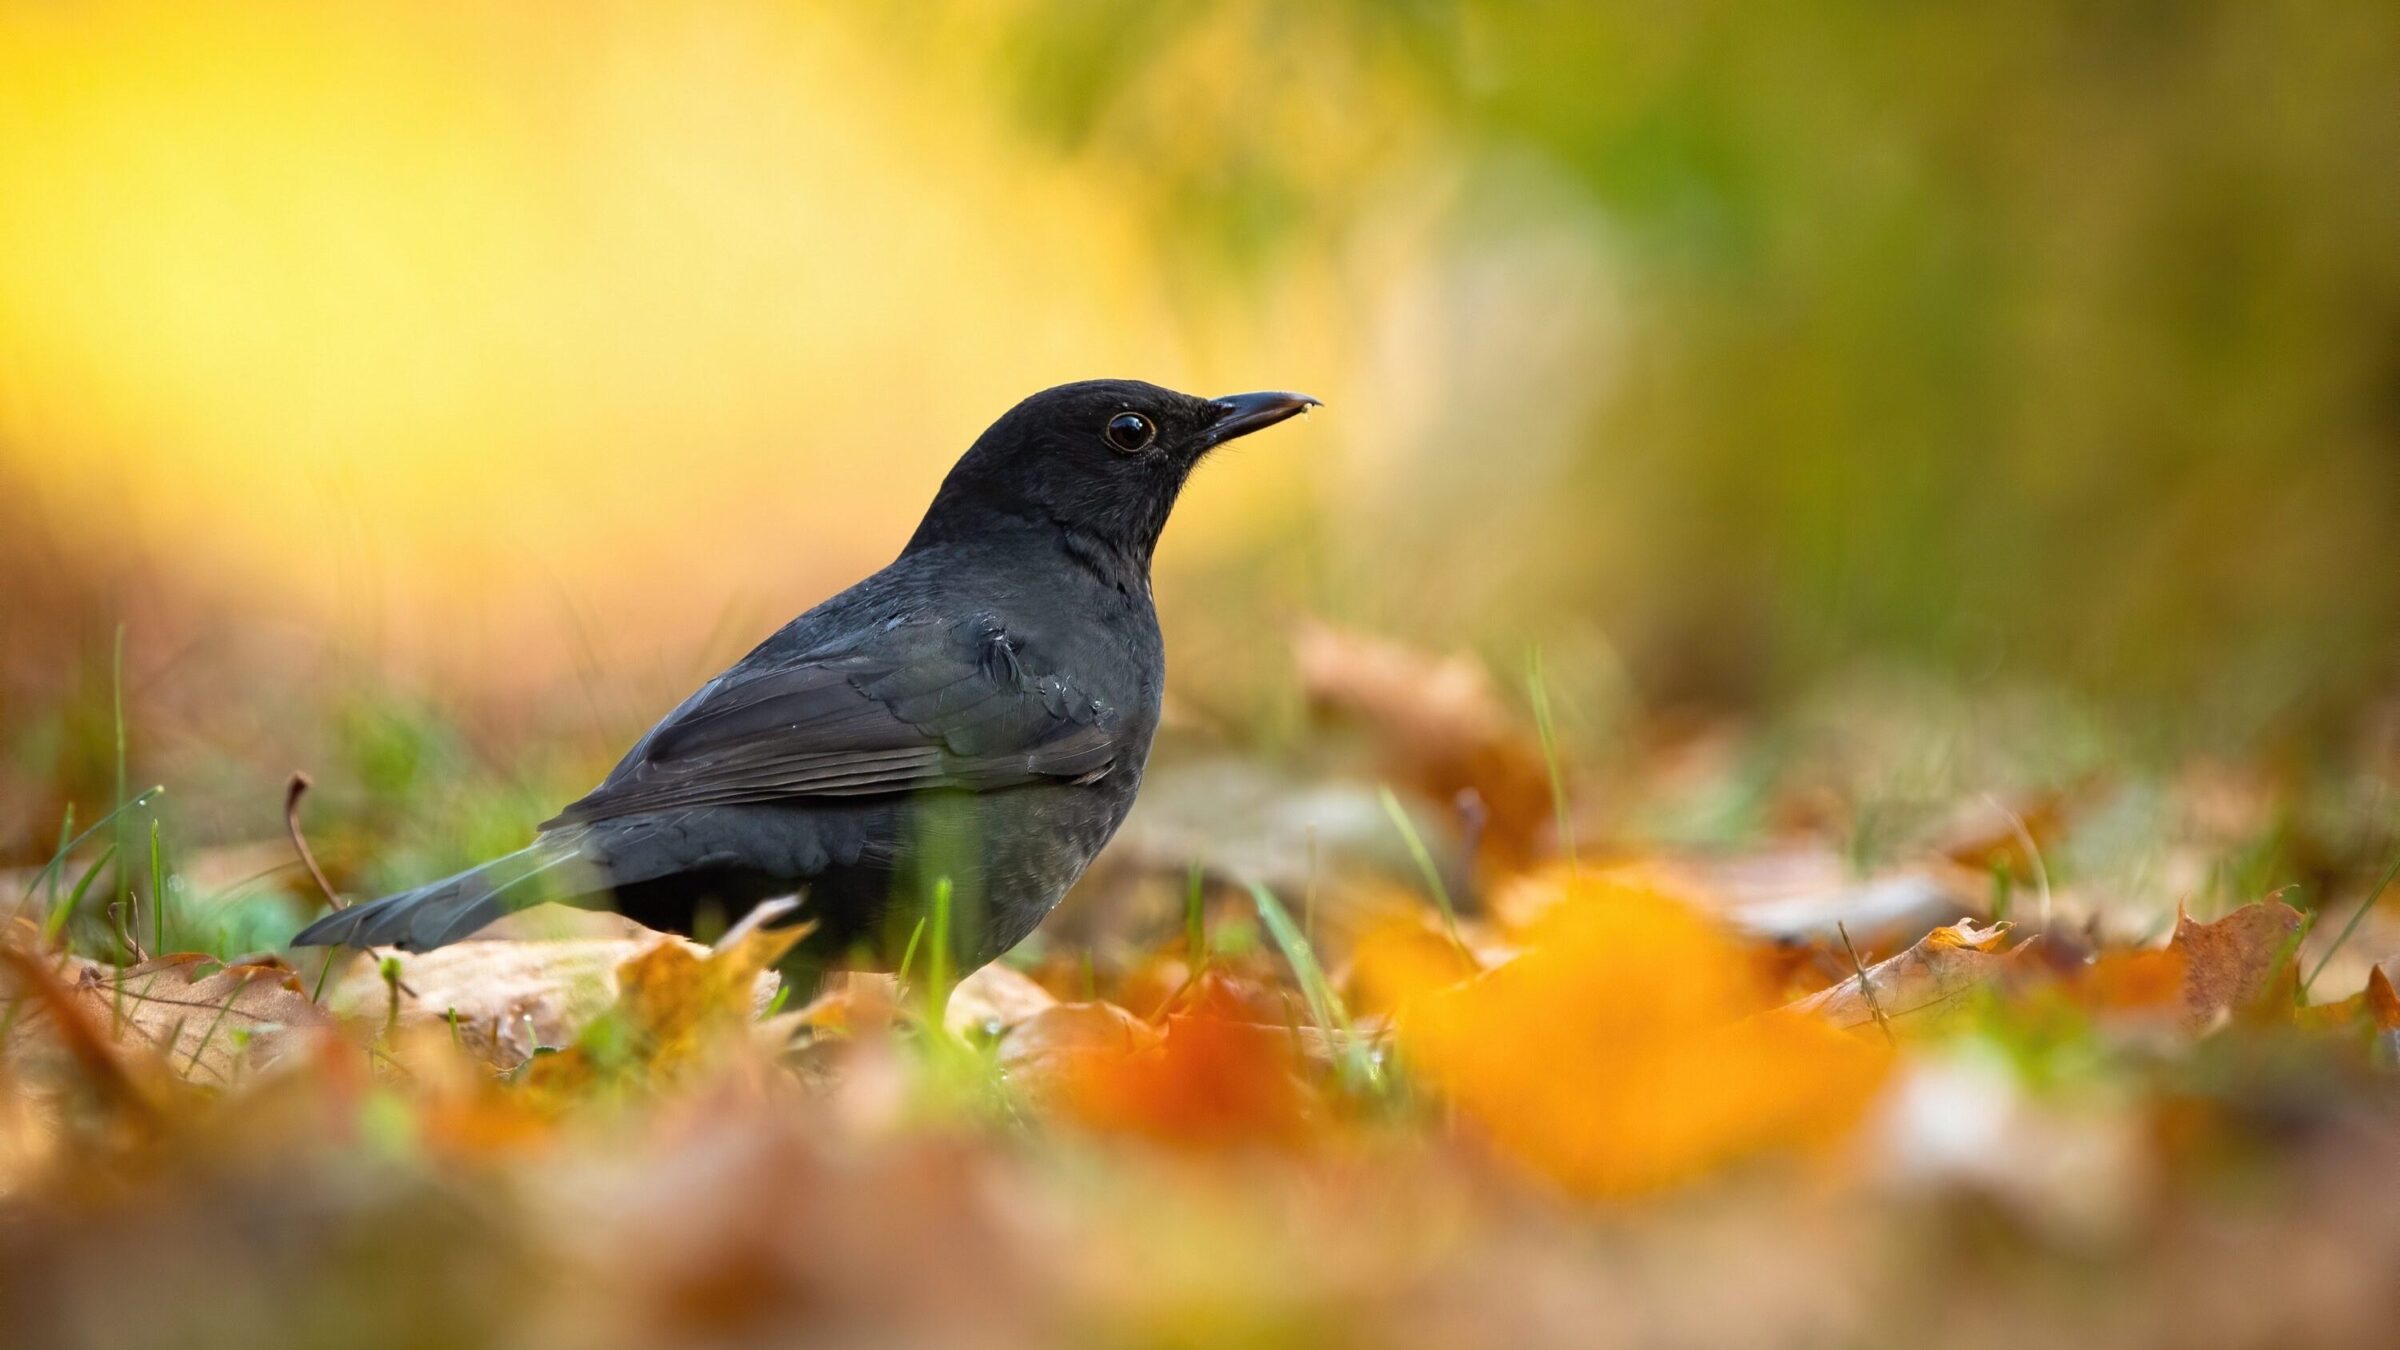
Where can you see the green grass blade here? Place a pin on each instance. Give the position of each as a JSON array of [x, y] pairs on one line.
[[938, 958], [117, 698], [908, 954], [1324, 1006], [2352, 926], [158, 889], [1425, 865], [1195, 921], [59, 914], [1538, 689], [58, 860], [49, 875]]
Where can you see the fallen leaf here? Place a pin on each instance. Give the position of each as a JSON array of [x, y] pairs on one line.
[[2376, 1007], [1440, 726], [1212, 1077], [510, 998], [852, 1002], [1041, 1052], [2139, 981], [207, 1021], [38, 1000], [1222, 993], [2243, 964], [993, 999], [1921, 983], [1399, 957], [1626, 1049], [674, 1006]]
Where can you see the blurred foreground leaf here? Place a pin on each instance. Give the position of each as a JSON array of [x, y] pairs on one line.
[[675, 1006], [188, 1013], [1633, 1046]]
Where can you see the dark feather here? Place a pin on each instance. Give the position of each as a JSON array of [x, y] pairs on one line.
[[918, 706]]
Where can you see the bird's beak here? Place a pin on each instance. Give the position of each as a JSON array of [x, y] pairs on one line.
[[1241, 414]]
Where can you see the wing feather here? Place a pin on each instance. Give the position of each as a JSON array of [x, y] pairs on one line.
[[948, 706]]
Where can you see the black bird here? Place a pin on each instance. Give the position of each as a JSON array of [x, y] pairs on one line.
[[973, 718]]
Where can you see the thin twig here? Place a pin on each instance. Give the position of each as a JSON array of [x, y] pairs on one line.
[[119, 914], [1866, 987], [292, 792]]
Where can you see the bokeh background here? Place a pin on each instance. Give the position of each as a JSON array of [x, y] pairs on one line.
[[432, 393]]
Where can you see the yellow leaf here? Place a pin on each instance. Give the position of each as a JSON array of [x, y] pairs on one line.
[[674, 1005]]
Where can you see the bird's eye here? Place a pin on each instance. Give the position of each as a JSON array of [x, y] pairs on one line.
[[1130, 431]]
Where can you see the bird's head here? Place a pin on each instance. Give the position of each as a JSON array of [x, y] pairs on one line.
[[1104, 459]]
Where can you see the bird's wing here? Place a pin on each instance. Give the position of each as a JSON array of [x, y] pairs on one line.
[[926, 705]]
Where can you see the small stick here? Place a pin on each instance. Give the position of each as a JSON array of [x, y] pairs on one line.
[[292, 793], [1866, 987], [119, 913]]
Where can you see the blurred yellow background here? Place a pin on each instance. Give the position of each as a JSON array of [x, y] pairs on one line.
[[431, 320], [506, 347]]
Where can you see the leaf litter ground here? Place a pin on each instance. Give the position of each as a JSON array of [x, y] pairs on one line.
[[1528, 1075]]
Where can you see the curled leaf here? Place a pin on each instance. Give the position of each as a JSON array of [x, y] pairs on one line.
[[1923, 982]]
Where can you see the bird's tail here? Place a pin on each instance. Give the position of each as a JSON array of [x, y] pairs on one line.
[[444, 911]]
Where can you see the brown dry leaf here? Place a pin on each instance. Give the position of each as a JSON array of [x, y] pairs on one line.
[[207, 1021], [2377, 1007], [39, 1002], [676, 1005], [1441, 727], [2244, 963], [993, 999], [463, 1109], [2141, 981], [1921, 983], [1045, 1050], [510, 998], [851, 1002], [1225, 993]]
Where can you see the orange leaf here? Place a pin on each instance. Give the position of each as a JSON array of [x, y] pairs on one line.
[[2376, 1007], [2136, 981], [1623, 1051], [674, 1005], [1213, 1077]]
